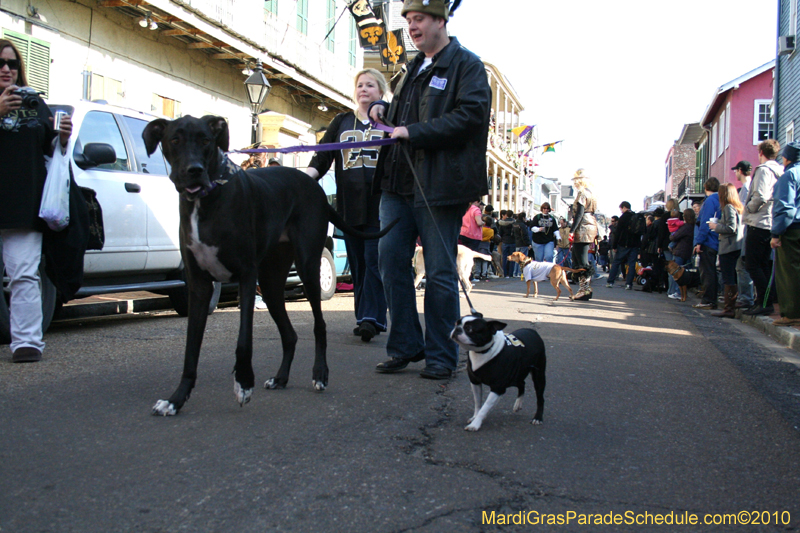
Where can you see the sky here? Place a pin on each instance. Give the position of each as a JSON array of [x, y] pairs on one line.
[[616, 79]]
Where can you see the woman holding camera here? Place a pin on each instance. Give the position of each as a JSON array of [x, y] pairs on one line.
[[26, 137]]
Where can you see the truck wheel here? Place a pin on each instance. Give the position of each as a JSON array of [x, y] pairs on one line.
[[48, 303], [327, 276], [179, 298]]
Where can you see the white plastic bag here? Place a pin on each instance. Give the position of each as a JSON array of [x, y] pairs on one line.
[[55, 198]]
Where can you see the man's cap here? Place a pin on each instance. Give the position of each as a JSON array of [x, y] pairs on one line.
[[437, 8], [792, 151], [744, 166], [273, 160]]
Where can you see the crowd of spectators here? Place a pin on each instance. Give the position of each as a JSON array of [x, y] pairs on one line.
[[743, 243]]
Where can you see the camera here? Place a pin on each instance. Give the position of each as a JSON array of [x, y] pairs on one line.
[[30, 97]]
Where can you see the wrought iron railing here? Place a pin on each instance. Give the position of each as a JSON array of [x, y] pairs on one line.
[[690, 185]]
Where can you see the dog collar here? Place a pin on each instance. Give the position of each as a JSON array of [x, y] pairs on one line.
[[227, 168]]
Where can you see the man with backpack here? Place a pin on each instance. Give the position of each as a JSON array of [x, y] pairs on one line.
[[628, 235]]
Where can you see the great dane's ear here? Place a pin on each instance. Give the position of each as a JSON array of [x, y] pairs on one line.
[[219, 127], [153, 133]]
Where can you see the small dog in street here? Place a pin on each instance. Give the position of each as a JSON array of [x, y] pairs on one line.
[[500, 361], [686, 277], [465, 260], [535, 271]]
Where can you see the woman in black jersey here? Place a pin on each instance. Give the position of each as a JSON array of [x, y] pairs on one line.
[[355, 200]]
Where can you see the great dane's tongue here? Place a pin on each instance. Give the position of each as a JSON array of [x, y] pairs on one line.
[[192, 190]]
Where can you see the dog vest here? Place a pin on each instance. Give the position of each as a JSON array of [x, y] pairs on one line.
[[535, 271], [511, 366]]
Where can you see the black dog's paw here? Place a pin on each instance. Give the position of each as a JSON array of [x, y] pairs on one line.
[[164, 408], [537, 422], [242, 395], [275, 383], [318, 385]]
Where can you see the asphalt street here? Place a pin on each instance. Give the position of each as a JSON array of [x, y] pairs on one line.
[[652, 409]]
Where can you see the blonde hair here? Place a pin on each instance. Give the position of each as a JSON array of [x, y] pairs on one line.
[[728, 195], [581, 180], [379, 79]]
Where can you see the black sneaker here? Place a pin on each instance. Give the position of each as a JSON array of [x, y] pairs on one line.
[[368, 331], [435, 372], [757, 310], [395, 364], [26, 354]]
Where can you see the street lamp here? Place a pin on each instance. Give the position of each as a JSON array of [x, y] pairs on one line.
[[257, 88]]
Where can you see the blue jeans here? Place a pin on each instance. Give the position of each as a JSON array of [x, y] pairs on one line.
[[442, 306], [508, 266], [370, 302], [544, 252], [745, 283], [674, 288], [563, 258], [624, 255], [593, 265]]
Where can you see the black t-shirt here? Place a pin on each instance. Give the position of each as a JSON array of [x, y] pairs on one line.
[[26, 136], [354, 170], [549, 228]]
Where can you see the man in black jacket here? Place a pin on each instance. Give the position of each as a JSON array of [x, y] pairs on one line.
[[626, 247], [441, 113]]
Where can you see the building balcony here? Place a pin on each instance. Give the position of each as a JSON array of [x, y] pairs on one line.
[[690, 186]]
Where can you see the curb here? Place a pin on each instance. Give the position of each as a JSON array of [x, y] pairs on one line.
[[118, 307], [786, 335]]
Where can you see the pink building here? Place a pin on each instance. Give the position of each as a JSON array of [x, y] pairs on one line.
[[737, 119]]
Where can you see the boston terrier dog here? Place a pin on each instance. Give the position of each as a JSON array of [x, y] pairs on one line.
[[499, 361]]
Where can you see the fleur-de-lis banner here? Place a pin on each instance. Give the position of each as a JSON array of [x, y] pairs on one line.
[[371, 30], [394, 51]]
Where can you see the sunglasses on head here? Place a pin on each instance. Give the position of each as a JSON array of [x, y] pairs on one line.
[[13, 64]]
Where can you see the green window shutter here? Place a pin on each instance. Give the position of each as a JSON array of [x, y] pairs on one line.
[[329, 26], [697, 162], [36, 55], [302, 16]]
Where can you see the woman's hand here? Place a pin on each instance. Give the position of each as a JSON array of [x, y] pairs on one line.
[[712, 226], [66, 130], [775, 242], [9, 102], [376, 113]]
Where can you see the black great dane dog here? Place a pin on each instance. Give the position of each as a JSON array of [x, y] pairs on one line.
[[245, 226]]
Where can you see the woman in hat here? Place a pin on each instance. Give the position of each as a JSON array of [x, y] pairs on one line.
[[584, 230], [356, 201]]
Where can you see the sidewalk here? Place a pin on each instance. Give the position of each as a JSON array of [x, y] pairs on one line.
[[787, 335]]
